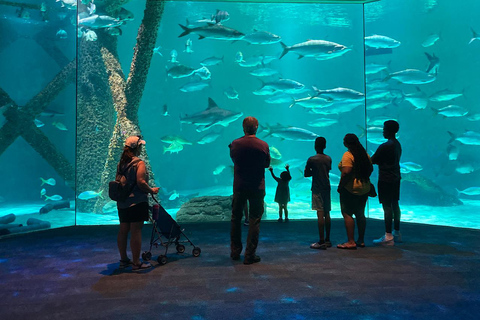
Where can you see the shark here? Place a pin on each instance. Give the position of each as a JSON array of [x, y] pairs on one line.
[[434, 63], [213, 115]]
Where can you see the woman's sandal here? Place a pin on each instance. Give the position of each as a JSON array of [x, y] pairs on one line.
[[346, 246], [141, 266], [125, 263]]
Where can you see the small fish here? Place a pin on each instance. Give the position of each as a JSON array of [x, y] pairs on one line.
[[451, 111], [274, 153], [465, 168], [50, 181], [61, 34], [452, 152], [157, 51], [174, 195], [86, 195], [180, 71], [322, 122], [220, 16], [175, 139], [472, 191], [212, 61], [218, 170], [188, 46], [125, 15], [53, 198], [231, 93], [59, 126], [193, 86], [474, 117], [411, 166], [110, 206], [381, 42], [468, 138], [445, 95], [430, 41], [203, 73], [90, 35], [165, 110], [38, 123], [475, 36], [280, 98], [261, 37], [173, 56], [43, 192], [373, 68], [209, 138], [238, 57], [92, 8], [175, 147], [264, 72]]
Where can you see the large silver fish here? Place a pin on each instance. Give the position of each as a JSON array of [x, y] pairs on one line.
[[213, 115], [291, 133], [381, 42], [97, 22], [344, 94], [468, 137], [312, 102], [451, 111], [285, 85], [412, 76], [314, 48], [215, 31], [261, 37]]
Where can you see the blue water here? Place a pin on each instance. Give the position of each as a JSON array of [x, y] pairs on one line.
[[427, 195]]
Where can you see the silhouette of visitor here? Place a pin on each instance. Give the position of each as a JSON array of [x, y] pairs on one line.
[[282, 194]]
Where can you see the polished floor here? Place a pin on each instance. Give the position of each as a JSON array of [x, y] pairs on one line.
[[72, 273]]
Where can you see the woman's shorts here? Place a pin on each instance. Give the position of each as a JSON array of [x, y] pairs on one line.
[[321, 201], [136, 213], [352, 204], [388, 192]]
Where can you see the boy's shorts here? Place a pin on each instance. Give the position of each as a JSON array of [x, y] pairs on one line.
[[321, 201]]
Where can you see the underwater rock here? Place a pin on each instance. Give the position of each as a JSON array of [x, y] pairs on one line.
[[7, 218], [54, 206], [424, 191], [206, 209], [32, 224]]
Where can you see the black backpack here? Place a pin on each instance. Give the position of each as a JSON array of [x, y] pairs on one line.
[[120, 188]]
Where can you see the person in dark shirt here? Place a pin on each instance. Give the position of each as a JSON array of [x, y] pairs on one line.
[[318, 167], [282, 194], [387, 157], [250, 157]]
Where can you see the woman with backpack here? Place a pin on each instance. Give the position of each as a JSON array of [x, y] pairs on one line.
[[133, 210], [354, 187]]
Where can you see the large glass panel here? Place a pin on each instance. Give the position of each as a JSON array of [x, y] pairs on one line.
[[235, 66], [435, 105], [37, 115]]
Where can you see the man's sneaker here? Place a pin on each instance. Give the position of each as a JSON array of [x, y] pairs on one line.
[[384, 241], [397, 236], [251, 260], [319, 246]]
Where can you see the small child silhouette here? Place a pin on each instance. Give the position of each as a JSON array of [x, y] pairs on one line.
[[282, 195]]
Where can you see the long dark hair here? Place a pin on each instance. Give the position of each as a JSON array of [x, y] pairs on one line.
[[361, 166], [127, 156]]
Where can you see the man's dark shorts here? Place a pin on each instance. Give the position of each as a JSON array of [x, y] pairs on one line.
[[388, 192]]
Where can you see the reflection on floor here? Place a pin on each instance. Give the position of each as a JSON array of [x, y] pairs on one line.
[[72, 273]]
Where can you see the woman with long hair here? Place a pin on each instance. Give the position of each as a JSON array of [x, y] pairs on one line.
[[354, 186], [133, 211]]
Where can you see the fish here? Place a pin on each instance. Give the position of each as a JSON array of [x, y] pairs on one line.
[[344, 94], [274, 153], [419, 99], [337, 107], [218, 170], [50, 181], [59, 126], [313, 48], [209, 138], [427, 190], [110, 206], [175, 139], [114, 31], [465, 168], [38, 123], [194, 86], [381, 42], [216, 31], [412, 76], [322, 122], [285, 85], [165, 110], [261, 37], [472, 191], [251, 62], [212, 61], [213, 115], [473, 117], [125, 15], [468, 138], [451, 111], [180, 71], [188, 46], [377, 94], [264, 72], [444, 95], [203, 73], [157, 51], [43, 192], [173, 56], [475, 36], [99, 21], [53, 198], [92, 8], [378, 121], [231, 93], [61, 34], [264, 91], [452, 152], [174, 195], [280, 98], [220, 16], [70, 4], [375, 104], [312, 102], [239, 57], [175, 147], [90, 35], [373, 68], [411, 166], [291, 133], [433, 63], [430, 40], [87, 195]]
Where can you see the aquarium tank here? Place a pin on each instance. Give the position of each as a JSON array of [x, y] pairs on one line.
[[79, 77]]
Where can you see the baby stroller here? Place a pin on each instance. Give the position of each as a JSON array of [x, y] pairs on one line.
[[164, 226]]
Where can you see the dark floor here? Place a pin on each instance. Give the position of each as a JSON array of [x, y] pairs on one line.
[[72, 273]]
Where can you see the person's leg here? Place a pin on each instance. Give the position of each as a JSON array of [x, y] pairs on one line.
[[321, 225], [328, 223], [256, 212], [136, 241], [350, 227], [285, 210], [388, 216], [396, 215], [245, 210], [122, 239], [238, 204], [360, 217], [280, 212]]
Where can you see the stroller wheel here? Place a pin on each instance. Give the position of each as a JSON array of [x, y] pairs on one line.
[[180, 248], [162, 260], [196, 251], [147, 255]]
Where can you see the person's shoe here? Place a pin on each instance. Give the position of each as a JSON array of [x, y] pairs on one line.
[[328, 243], [280, 220], [246, 223], [141, 266], [397, 236], [235, 256], [384, 241], [286, 219], [252, 260], [319, 246], [125, 263]]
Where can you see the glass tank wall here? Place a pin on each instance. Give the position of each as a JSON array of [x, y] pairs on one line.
[[168, 71]]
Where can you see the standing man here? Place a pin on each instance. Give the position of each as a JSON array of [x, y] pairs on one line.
[[250, 156], [318, 167], [387, 157]]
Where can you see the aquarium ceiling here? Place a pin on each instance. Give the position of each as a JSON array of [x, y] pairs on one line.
[[293, 1]]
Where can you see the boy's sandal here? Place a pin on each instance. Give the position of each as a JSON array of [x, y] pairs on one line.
[[346, 246], [142, 266]]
